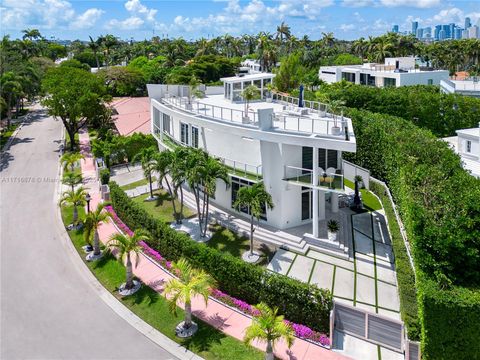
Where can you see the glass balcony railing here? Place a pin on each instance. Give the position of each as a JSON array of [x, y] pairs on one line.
[[326, 179]]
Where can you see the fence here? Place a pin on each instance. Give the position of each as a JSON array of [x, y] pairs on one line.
[[351, 170], [372, 327]]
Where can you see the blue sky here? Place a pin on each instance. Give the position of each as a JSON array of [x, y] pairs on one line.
[[140, 19]]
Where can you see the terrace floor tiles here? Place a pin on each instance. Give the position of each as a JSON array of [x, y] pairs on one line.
[[322, 275], [344, 283], [365, 265], [390, 314], [331, 259], [388, 296], [386, 271], [365, 289], [281, 262], [363, 244], [301, 268]]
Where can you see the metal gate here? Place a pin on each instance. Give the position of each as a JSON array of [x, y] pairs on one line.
[[372, 327]]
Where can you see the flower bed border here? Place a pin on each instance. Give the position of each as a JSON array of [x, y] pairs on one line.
[[301, 331]]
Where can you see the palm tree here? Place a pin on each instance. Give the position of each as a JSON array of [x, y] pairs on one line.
[[94, 46], [269, 327], [202, 172], [256, 199], [71, 159], [71, 179], [92, 222], [11, 89], [178, 174], [146, 158], [126, 245], [190, 282], [75, 198], [283, 32], [248, 94]]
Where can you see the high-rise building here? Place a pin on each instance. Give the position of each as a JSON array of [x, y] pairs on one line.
[[419, 33], [446, 28], [442, 35], [437, 32], [395, 28], [458, 33], [465, 34], [452, 30], [414, 27], [427, 32], [473, 32], [468, 23]]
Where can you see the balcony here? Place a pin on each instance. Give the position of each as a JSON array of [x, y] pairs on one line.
[[330, 179], [235, 168]]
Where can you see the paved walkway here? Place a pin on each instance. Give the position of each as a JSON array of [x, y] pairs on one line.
[[229, 321], [49, 308]]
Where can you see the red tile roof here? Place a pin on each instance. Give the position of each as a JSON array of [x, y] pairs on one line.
[[133, 115]]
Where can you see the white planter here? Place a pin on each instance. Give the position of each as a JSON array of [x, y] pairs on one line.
[[332, 236], [335, 130], [245, 120], [189, 106], [268, 99]]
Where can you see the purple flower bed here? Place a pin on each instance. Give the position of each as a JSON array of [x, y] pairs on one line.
[[301, 331]]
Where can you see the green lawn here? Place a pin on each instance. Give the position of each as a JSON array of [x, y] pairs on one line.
[[162, 208], [208, 343], [370, 201], [138, 183], [227, 241], [6, 134]]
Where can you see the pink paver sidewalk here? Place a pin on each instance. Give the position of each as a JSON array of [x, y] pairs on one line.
[[222, 317]]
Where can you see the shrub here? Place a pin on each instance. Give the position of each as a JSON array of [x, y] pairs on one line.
[[104, 176], [450, 321], [299, 302]]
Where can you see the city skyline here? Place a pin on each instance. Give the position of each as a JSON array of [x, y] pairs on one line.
[[139, 19]]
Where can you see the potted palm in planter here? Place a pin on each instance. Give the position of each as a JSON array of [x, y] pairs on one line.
[[193, 91], [269, 94], [190, 282], [336, 107], [269, 327], [333, 228], [248, 94]]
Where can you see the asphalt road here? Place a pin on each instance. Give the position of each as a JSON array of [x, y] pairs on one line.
[[49, 310]]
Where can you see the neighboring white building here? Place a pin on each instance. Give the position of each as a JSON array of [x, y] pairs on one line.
[[395, 72], [253, 65], [463, 87], [467, 145], [295, 151]]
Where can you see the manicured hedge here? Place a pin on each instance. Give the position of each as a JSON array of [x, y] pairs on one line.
[[450, 322], [299, 302], [405, 275], [440, 208], [424, 106]]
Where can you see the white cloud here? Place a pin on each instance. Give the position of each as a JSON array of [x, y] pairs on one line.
[[140, 15], [88, 19], [347, 27], [357, 3], [423, 4], [135, 7], [130, 23], [46, 14]]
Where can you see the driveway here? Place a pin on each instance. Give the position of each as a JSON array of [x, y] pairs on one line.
[[49, 310]]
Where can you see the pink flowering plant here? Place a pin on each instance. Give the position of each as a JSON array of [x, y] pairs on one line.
[[301, 331]]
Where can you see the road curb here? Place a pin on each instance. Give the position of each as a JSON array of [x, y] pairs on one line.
[[121, 310]]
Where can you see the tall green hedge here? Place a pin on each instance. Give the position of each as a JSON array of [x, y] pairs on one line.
[[301, 303], [440, 208], [451, 322], [405, 275], [425, 106]]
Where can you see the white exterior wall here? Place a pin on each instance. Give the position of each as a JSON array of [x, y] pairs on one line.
[[421, 78], [330, 78], [475, 146]]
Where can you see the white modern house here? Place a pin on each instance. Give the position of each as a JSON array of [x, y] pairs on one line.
[[463, 87], [400, 71], [467, 145], [295, 150]]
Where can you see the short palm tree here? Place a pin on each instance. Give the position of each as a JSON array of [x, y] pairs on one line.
[[71, 179], [250, 93], [190, 282], [146, 158], [256, 199], [269, 327], [92, 222], [126, 246], [75, 198], [69, 159]]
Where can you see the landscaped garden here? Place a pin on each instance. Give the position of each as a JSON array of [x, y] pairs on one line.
[[369, 200], [6, 133]]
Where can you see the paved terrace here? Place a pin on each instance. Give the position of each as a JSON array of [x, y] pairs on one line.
[[226, 319], [133, 115], [287, 116]]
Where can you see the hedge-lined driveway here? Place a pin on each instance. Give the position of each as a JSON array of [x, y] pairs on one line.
[[48, 309]]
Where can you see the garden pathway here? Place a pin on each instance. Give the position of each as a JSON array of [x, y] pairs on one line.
[[226, 319]]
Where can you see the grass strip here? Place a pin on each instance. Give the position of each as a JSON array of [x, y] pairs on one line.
[[149, 305]]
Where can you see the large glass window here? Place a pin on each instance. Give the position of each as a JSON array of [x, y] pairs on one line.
[[348, 76], [306, 203], [388, 82], [166, 123], [184, 133], [194, 137], [469, 146], [238, 183]]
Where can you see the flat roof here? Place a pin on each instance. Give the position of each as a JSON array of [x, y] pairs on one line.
[[472, 132], [133, 115], [256, 76]]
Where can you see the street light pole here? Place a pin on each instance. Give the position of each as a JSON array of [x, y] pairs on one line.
[[88, 198]]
